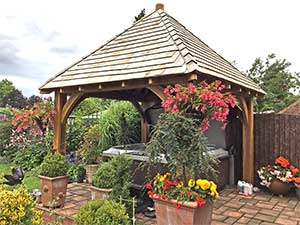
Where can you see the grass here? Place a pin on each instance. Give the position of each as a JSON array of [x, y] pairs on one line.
[[31, 180]]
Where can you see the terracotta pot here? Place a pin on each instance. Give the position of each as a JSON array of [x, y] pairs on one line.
[[90, 171], [189, 214], [99, 193], [53, 190], [278, 187]]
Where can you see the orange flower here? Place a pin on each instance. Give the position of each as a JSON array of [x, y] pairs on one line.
[[282, 161], [297, 180], [294, 170]]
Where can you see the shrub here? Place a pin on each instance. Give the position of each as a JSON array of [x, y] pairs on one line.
[[77, 173], [54, 165], [122, 165], [18, 207], [105, 176], [32, 155], [119, 124], [89, 150], [6, 131], [104, 212]]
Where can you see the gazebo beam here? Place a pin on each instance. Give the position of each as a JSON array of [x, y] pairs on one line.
[[59, 127], [248, 138]]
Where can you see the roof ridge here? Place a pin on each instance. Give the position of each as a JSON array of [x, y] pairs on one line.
[[204, 43], [179, 50], [84, 57]]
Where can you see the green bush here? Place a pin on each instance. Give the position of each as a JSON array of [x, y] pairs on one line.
[[54, 165], [77, 173], [32, 155], [6, 131], [105, 176], [119, 124], [89, 150], [122, 165], [104, 212]]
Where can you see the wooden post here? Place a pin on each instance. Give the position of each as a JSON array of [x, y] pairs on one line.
[[248, 141], [144, 130], [59, 142]]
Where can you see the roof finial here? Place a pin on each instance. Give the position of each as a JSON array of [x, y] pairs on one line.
[[159, 6]]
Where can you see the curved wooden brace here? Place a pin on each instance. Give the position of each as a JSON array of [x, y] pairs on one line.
[[71, 103], [243, 108], [158, 91]]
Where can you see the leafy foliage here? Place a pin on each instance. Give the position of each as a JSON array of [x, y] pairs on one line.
[[178, 138], [31, 156], [77, 173], [119, 124], [105, 176], [273, 76], [104, 212], [122, 165], [54, 165], [18, 207], [6, 131], [90, 106]]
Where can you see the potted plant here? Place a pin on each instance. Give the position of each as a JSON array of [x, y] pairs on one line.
[[178, 140], [112, 178], [277, 177], [77, 173], [54, 180], [103, 181], [89, 152]]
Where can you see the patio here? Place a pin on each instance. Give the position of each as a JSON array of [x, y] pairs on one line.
[[231, 208]]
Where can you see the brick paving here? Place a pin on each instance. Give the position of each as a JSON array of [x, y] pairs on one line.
[[231, 208]]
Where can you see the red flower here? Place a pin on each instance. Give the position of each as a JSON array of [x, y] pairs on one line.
[[282, 161], [163, 196], [200, 202], [165, 187], [178, 206], [149, 186], [150, 193], [269, 167], [188, 194]]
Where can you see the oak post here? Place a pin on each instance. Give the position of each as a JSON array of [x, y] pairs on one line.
[[59, 142], [248, 142], [144, 130]]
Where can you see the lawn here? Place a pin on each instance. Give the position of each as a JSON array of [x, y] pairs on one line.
[[31, 180]]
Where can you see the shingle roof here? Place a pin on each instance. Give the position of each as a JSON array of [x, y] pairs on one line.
[[157, 45], [293, 109]]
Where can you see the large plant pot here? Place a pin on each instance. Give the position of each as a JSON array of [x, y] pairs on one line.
[[90, 171], [53, 190], [189, 214], [278, 187], [99, 193]]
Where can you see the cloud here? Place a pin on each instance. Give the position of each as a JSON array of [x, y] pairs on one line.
[[64, 50]]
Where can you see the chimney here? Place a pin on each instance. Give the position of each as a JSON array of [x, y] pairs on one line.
[[159, 6]]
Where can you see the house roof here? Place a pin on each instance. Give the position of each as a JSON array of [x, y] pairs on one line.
[[293, 109], [155, 46]]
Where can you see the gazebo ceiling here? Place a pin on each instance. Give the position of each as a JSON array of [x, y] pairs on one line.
[[156, 46]]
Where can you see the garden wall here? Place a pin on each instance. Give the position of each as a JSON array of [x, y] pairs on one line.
[[274, 135]]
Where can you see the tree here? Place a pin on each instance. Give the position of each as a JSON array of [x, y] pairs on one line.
[[274, 78], [6, 87], [15, 99]]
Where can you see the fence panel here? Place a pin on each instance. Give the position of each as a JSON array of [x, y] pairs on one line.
[[275, 135]]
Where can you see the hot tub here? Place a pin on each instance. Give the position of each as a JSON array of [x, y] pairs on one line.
[[139, 155]]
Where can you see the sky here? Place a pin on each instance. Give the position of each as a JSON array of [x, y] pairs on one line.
[[38, 38]]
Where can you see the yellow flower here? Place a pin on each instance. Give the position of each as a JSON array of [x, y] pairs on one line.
[[213, 190], [204, 184], [162, 178], [198, 182], [179, 185], [191, 183]]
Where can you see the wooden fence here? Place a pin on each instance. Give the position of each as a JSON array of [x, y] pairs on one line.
[[275, 135]]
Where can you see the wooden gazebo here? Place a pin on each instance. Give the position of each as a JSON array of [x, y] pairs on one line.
[[137, 64]]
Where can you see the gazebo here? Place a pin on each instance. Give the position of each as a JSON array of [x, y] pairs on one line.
[[138, 63]]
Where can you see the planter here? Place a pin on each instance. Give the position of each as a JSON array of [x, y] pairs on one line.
[[99, 193], [53, 190], [278, 187], [90, 171], [189, 214], [298, 193]]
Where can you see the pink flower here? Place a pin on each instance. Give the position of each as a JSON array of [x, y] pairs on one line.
[[223, 127], [204, 125], [191, 88]]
